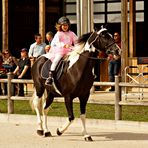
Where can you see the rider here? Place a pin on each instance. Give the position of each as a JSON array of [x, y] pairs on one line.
[[61, 44]]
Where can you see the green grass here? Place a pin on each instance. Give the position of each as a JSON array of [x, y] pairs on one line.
[[132, 113]]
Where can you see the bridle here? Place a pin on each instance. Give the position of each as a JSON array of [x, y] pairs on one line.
[[91, 44]]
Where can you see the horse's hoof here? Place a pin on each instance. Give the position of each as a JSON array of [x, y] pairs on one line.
[[58, 132], [40, 132], [47, 134], [88, 138]]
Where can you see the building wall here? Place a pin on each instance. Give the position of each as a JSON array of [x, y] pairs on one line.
[[24, 21], [109, 12]]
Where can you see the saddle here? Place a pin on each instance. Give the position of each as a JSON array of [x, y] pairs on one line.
[[58, 71]]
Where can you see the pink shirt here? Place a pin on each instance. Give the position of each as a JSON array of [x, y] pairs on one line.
[[60, 39]]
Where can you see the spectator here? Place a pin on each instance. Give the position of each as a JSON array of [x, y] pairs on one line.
[[37, 48], [9, 62], [23, 70], [114, 61], [2, 72], [49, 37]]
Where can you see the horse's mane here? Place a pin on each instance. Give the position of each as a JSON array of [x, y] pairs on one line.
[[83, 38], [78, 48]]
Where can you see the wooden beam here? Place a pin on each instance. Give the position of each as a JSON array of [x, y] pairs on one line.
[[132, 29], [4, 24], [42, 18], [124, 37]]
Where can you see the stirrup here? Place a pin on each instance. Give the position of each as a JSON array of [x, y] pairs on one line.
[[49, 81]]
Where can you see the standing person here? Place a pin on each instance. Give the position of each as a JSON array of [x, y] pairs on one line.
[[49, 37], [23, 70], [114, 61], [37, 48], [61, 44]]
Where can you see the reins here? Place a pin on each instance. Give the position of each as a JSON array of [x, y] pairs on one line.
[[95, 58], [92, 58]]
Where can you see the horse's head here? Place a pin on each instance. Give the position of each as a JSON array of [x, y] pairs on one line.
[[102, 40]]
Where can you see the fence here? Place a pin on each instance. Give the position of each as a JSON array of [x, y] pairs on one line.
[[118, 96]]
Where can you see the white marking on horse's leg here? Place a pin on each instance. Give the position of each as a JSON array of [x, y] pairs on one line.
[[83, 124], [45, 112], [37, 106], [84, 132], [65, 126]]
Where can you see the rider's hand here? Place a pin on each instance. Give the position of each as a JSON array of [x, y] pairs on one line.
[[66, 46]]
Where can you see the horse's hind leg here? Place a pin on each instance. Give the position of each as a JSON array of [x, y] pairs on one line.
[[83, 102], [47, 102], [37, 104]]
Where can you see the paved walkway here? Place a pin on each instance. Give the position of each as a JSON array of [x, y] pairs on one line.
[[19, 131], [24, 136]]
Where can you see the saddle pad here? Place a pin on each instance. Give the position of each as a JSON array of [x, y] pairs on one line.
[[45, 69], [58, 71]]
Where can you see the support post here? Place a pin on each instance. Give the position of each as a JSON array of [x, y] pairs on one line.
[[124, 36], [118, 107], [5, 24], [84, 16], [10, 102], [42, 18], [132, 28]]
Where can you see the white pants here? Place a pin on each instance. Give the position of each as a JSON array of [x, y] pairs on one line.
[[55, 62]]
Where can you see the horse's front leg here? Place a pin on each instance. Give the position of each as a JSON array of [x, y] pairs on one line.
[[69, 107], [37, 104], [83, 102]]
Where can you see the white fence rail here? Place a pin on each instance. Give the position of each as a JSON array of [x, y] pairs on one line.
[[118, 96]]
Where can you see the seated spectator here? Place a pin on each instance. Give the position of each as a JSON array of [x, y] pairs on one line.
[[23, 70], [9, 62], [49, 37], [2, 72]]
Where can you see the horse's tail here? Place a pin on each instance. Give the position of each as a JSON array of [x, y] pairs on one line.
[[31, 101]]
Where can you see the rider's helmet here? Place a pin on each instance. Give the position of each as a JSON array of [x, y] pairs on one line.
[[63, 20]]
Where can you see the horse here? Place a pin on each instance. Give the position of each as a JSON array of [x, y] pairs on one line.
[[75, 80]]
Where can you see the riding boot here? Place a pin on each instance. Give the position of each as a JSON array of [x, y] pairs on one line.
[[49, 80]]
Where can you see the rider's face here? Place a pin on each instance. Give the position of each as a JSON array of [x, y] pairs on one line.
[[65, 27]]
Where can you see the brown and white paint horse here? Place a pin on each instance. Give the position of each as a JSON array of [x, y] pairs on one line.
[[75, 81]]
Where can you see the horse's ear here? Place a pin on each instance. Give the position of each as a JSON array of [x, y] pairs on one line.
[[92, 37], [104, 26], [95, 29]]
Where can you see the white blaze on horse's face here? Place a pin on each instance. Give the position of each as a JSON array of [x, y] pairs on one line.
[[101, 30]]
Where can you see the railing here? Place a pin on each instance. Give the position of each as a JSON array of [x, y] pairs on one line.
[[10, 99], [118, 96]]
